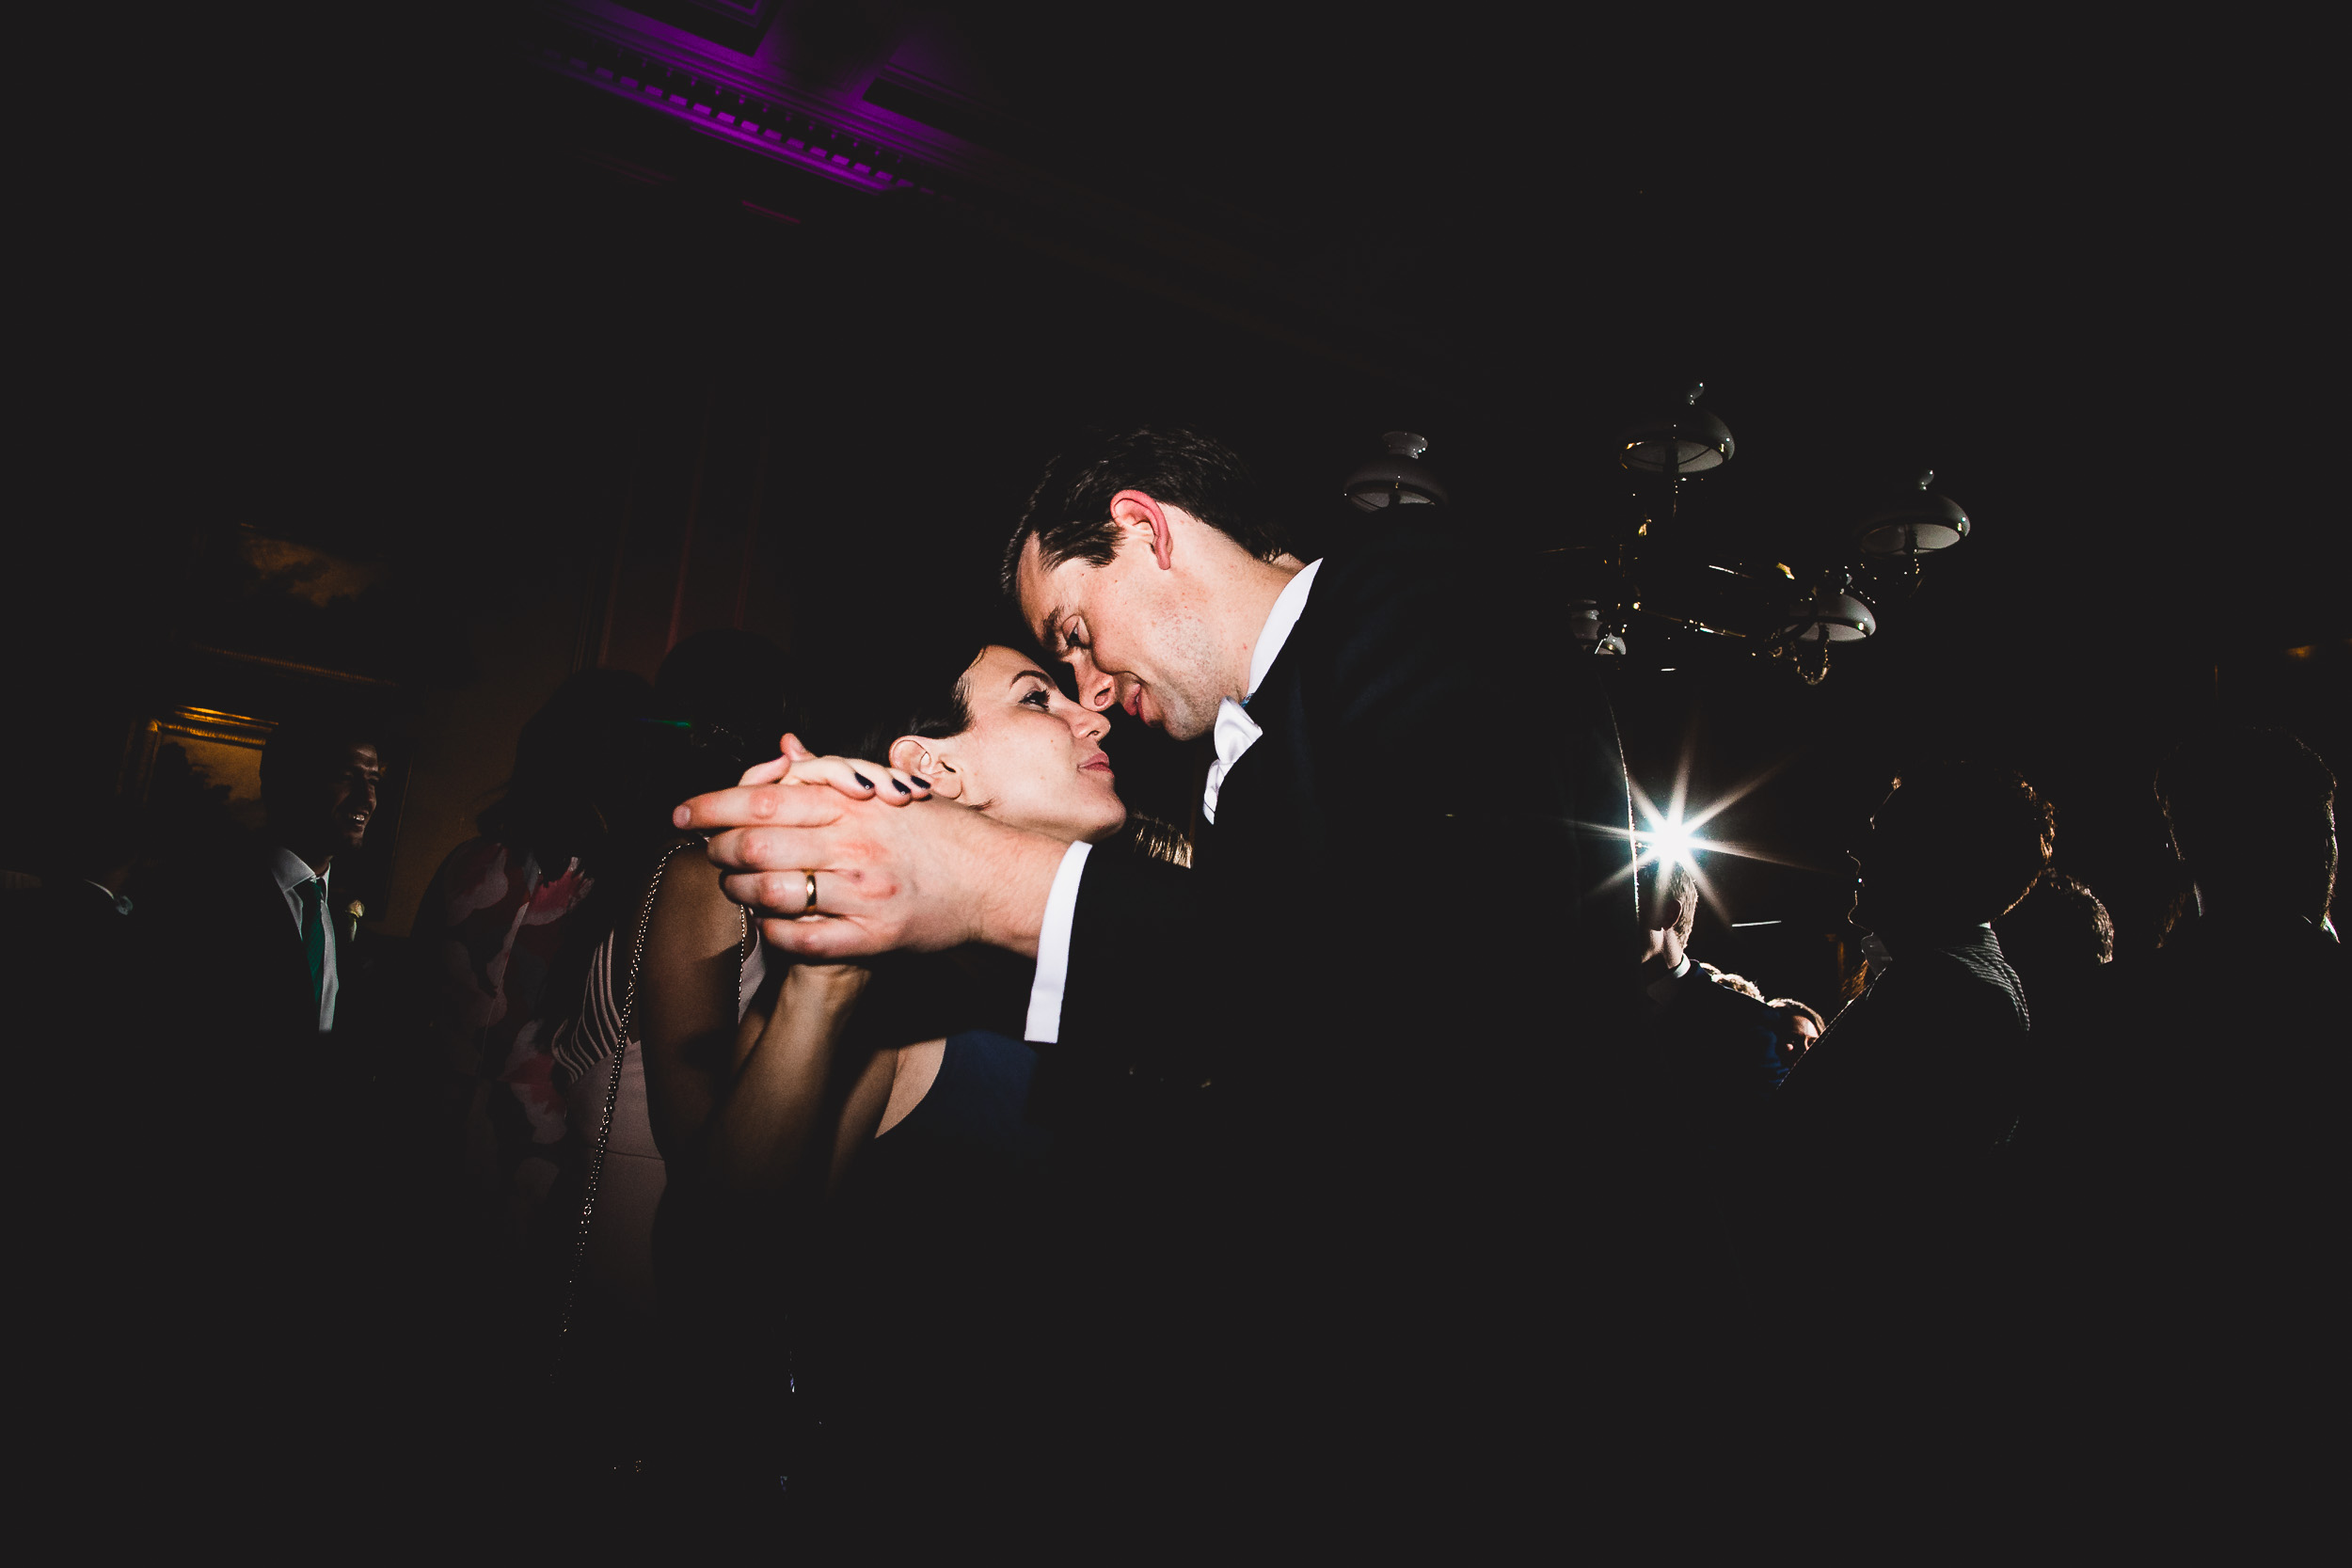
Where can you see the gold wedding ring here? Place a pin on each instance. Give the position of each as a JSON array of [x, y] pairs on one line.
[[810, 908]]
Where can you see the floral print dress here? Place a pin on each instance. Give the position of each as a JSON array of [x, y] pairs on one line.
[[498, 922]]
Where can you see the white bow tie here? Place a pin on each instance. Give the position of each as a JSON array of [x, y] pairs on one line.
[[1236, 731]]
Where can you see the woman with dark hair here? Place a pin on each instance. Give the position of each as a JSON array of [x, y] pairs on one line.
[[637, 1111], [866, 1139], [505, 915]]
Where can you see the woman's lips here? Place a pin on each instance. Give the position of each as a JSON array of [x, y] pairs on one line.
[[1098, 763]]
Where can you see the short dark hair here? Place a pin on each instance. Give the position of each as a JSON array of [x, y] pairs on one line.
[[2220, 775], [303, 752], [2060, 926], [1070, 511], [2219, 783], [579, 761], [916, 686], [1982, 830]]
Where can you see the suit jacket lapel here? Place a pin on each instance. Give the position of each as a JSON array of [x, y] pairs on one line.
[[1269, 788]]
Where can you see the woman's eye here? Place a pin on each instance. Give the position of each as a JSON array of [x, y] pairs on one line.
[[1037, 698]]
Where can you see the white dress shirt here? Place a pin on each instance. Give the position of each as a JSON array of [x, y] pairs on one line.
[[292, 872], [1236, 731], [1662, 990]]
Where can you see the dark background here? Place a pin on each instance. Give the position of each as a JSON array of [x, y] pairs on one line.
[[580, 379]]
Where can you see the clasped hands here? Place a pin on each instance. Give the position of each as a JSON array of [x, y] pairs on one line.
[[893, 868]]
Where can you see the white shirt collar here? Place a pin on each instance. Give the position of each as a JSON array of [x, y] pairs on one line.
[[1280, 622], [122, 900], [1662, 990], [1235, 731], [292, 870]]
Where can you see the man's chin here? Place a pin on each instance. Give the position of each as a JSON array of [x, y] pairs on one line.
[[1179, 727]]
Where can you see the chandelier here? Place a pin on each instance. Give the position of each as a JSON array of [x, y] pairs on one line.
[[1646, 572]]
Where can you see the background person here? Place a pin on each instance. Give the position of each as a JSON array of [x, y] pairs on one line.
[[2056, 937], [1888, 1115], [2186, 1157], [505, 920], [1801, 1024], [263, 1084], [642, 1286]]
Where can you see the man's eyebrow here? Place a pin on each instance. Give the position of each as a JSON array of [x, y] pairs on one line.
[[1048, 632]]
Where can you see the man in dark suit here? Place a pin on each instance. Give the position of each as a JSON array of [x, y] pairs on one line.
[[266, 942], [2181, 1170], [263, 1173], [1696, 1071], [291, 947], [1711, 1047], [1387, 966], [1882, 1126]]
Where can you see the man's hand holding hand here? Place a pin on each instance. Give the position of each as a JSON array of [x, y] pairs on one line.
[[887, 879]]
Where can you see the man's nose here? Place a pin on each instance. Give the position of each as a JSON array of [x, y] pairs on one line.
[[1096, 690]]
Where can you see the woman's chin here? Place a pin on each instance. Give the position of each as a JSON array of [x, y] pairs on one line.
[[1082, 822]]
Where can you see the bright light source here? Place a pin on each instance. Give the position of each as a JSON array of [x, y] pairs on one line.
[[1671, 838], [1668, 843]]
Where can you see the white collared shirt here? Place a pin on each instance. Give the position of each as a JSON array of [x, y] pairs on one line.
[[1662, 990], [291, 871], [1236, 731]]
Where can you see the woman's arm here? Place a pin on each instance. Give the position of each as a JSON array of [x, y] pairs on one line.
[[792, 1103], [686, 1004]]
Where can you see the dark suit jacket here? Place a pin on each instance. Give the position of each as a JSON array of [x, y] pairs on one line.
[[1923, 1070], [1399, 941], [1883, 1131], [1714, 1046], [2185, 1148], [260, 952], [1411, 857], [250, 1093]]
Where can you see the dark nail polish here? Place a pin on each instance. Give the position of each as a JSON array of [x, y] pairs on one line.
[[900, 787], [919, 779], [861, 778]]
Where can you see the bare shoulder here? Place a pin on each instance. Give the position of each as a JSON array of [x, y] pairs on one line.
[[690, 904]]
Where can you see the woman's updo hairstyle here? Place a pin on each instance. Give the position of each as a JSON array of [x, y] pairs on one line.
[[915, 686]]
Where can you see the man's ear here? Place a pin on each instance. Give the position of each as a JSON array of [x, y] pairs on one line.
[[911, 753], [1134, 509]]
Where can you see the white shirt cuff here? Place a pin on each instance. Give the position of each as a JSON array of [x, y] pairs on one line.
[[1053, 949]]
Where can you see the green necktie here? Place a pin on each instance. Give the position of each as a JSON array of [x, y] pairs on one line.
[[314, 933]]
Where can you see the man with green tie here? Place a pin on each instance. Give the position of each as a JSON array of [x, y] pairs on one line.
[[255, 1178], [319, 787]]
